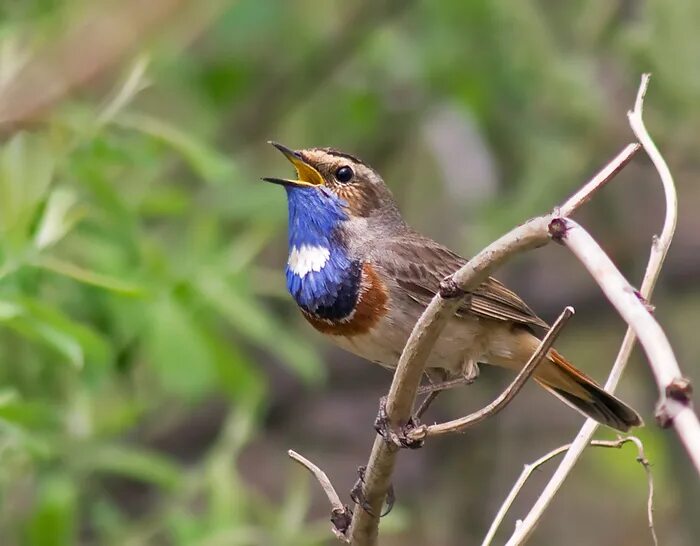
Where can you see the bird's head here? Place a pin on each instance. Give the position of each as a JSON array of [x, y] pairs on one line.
[[329, 178], [332, 201]]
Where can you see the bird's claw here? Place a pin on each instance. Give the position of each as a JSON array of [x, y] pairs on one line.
[[399, 438], [358, 496]]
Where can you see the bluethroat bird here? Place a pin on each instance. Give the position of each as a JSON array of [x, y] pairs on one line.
[[362, 277]]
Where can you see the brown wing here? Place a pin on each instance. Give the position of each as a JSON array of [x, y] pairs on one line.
[[419, 264]]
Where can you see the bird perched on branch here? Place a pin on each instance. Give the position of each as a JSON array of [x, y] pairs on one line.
[[362, 277]]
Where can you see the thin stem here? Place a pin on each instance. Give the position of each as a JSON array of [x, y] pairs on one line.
[[322, 478], [658, 252], [401, 397], [459, 425], [604, 176], [340, 514], [407, 376], [528, 469]]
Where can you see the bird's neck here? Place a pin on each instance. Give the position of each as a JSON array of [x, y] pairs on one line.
[[321, 276]]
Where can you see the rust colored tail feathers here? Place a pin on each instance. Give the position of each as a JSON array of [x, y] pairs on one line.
[[579, 391]]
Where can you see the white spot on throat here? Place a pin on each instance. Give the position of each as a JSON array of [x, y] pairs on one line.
[[307, 258]]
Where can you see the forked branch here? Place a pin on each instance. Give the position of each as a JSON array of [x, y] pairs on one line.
[[659, 248], [407, 377], [674, 404], [530, 468], [340, 513], [463, 423]]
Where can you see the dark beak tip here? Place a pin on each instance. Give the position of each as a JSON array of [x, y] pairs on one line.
[[286, 151]]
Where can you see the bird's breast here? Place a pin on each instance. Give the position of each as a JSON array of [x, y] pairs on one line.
[[370, 305]]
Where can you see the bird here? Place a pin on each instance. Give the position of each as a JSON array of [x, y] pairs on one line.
[[362, 277]]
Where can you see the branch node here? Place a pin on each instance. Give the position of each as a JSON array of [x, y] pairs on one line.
[[341, 515], [647, 305], [341, 519], [655, 241], [461, 424], [557, 229], [680, 390], [662, 415], [676, 399], [450, 289], [419, 434]]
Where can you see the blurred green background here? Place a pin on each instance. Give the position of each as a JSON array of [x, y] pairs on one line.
[[153, 371]]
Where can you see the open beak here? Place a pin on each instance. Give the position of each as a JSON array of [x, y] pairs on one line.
[[306, 174]]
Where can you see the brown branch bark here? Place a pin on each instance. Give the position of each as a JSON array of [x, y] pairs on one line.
[[674, 407], [340, 513], [530, 468], [659, 248], [401, 397], [461, 424]]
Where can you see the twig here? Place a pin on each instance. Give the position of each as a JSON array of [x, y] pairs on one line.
[[674, 390], [654, 342], [340, 513], [642, 459], [609, 172], [459, 425], [401, 397], [659, 249], [530, 468], [364, 528]]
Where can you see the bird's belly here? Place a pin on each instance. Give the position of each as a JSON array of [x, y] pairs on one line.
[[462, 340]]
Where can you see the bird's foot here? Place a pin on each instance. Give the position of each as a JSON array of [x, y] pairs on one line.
[[400, 437], [358, 497], [470, 372], [467, 379]]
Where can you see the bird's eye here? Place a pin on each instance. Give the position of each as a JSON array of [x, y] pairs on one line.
[[344, 174]]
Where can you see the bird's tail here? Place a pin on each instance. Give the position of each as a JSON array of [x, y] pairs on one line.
[[579, 391]]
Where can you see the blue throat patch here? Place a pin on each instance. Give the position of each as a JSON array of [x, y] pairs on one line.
[[315, 219]]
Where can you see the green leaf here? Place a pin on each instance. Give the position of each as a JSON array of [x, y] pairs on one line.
[[131, 461], [177, 351], [86, 276], [135, 82], [54, 518], [44, 323], [237, 376], [63, 344], [60, 215], [26, 169], [209, 164], [10, 310], [253, 322], [34, 414]]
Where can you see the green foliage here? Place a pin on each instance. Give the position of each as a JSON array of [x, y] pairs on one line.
[[122, 294], [134, 286]]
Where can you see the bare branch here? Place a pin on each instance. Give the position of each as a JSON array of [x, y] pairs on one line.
[[401, 397], [461, 424], [642, 459], [407, 376], [627, 302], [659, 249], [340, 514], [654, 342], [609, 172], [530, 468]]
